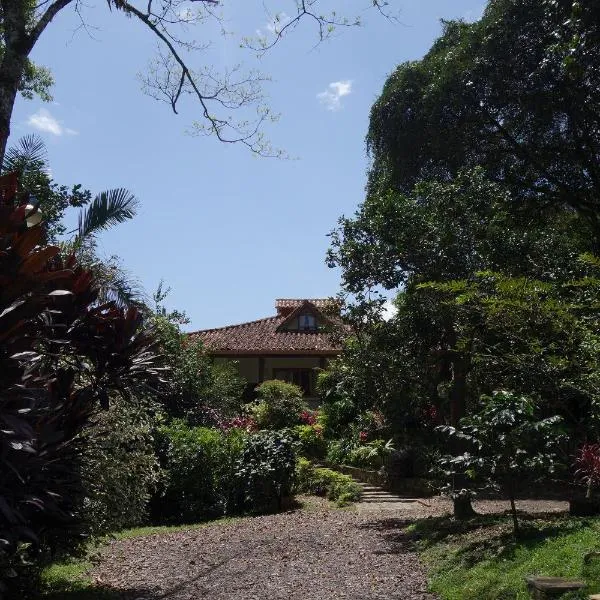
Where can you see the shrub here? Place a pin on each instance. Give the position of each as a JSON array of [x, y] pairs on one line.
[[325, 482], [339, 450], [279, 405], [61, 355], [211, 473], [119, 468], [311, 443], [200, 472], [371, 455], [588, 466], [265, 470]]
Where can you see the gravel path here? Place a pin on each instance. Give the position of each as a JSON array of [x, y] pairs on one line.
[[311, 554], [316, 553]]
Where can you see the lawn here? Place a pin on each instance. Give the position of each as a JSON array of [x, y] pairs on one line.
[[481, 559]]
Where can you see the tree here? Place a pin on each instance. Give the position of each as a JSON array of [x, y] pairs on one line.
[[29, 159], [445, 233], [197, 389], [508, 444], [170, 78], [516, 93]]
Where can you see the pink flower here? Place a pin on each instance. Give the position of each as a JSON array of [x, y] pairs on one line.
[[362, 436]]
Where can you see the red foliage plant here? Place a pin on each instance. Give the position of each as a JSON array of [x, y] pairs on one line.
[[62, 354], [308, 417], [587, 462]]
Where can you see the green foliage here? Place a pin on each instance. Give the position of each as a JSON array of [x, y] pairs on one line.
[[371, 455], [474, 101], [324, 482], [106, 210], [210, 473], [279, 405], [119, 467], [506, 442], [200, 466], [197, 388], [28, 157], [61, 356], [338, 408], [265, 470], [338, 451], [311, 443]]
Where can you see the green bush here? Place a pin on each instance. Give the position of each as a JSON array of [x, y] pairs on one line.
[[279, 405], [200, 465], [120, 469], [339, 450], [311, 443], [211, 473], [265, 470], [324, 482], [371, 455]]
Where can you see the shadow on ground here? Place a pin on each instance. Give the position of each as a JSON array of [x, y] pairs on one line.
[[489, 535]]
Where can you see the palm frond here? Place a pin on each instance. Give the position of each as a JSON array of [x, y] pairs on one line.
[[28, 153], [106, 209], [116, 284]]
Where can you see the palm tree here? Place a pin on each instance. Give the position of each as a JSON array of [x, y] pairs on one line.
[[29, 157]]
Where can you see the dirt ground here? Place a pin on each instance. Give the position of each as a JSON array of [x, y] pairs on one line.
[[314, 553]]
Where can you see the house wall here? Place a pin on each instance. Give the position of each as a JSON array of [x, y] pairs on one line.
[[309, 362], [247, 367]]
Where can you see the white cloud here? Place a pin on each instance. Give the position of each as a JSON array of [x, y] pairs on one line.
[[44, 121], [388, 310], [332, 96]]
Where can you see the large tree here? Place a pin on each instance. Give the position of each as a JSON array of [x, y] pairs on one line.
[[22, 22], [516, 92]]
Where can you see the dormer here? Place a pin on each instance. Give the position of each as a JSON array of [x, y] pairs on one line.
[[301, 315]]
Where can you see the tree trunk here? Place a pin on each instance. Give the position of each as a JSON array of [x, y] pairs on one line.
[[458, 390], [513, 509], [463, 509], [11, 71]]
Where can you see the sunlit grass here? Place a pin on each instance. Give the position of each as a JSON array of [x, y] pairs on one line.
[[485, 561]]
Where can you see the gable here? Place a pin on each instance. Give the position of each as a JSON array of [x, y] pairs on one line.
[[305, 318]]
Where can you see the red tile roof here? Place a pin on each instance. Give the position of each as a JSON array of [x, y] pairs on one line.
[[262, 336]]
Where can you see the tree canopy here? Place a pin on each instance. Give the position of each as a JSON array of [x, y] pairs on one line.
[[515, 92]]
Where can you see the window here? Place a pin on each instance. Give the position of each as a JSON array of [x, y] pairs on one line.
[[304, 378], [307, 322]]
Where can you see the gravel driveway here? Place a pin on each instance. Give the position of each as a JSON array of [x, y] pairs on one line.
[[312, 554], [317, 553]]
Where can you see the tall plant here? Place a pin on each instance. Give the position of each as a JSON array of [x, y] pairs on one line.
[[62, 354]]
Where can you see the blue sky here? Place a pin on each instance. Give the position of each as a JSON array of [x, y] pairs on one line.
[[227, 231]]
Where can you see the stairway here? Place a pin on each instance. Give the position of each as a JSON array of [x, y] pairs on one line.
[[373, 493]]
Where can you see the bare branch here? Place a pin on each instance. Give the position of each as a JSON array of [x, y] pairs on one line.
[[45, 19]]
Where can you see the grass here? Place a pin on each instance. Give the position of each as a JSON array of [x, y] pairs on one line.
[[481, 559], [68, 580]]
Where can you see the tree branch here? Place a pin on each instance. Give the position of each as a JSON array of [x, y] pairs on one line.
[[45, 19]]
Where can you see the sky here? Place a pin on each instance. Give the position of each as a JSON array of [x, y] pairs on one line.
[[228, 232]]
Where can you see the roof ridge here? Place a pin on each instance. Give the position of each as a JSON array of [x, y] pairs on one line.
[[236, 325]]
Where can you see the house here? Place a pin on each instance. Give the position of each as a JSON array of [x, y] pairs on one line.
[[291, 345]]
